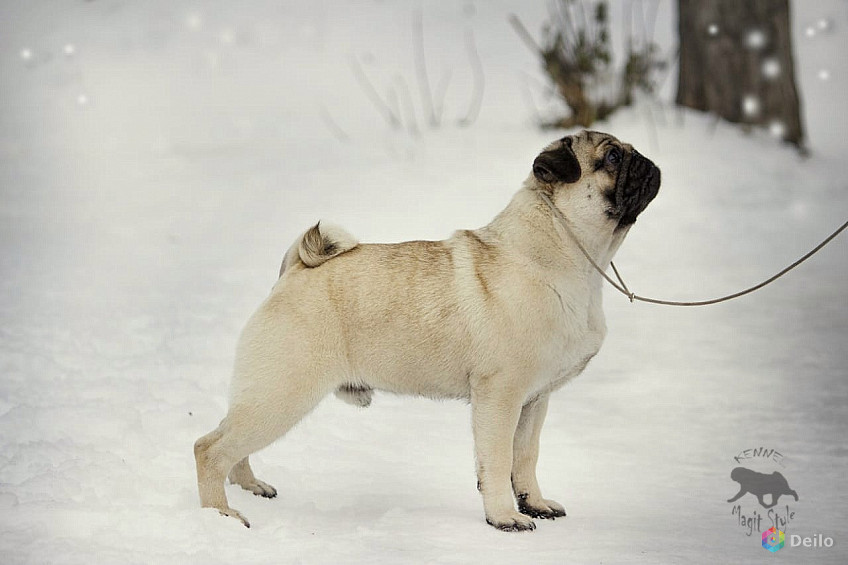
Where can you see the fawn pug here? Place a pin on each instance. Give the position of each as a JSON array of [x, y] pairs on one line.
[[500, 316]]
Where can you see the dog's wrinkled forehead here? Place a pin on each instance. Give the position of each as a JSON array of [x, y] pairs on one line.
[[595, 143], [586, 140], [565, 160]]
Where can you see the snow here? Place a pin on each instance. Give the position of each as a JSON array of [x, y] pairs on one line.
[[156, 160]]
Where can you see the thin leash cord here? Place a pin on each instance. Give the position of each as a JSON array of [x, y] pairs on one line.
[[622, 287]]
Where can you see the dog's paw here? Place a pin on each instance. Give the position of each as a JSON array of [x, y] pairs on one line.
[[234, 514], [260, 488], [545, 509], [512, 522]]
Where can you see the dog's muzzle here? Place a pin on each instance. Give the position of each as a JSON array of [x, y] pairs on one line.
[[637, 184]]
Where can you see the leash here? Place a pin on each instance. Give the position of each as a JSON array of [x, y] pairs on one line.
[[622, 287]]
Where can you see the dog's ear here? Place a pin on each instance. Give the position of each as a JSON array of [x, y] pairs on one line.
[[558, 165]]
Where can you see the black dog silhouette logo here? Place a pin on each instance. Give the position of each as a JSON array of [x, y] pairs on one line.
[[760, 485], [761, 479]]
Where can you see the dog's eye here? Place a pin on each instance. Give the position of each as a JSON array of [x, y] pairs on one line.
[[613, 157]]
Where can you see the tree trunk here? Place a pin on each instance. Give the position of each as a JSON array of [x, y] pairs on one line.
[[736, 61]]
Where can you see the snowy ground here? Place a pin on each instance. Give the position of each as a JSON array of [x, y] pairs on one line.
[[157, 158]]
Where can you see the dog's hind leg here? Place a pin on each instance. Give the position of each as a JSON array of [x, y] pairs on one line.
[[255, 419], [212, 467], [243, 476]]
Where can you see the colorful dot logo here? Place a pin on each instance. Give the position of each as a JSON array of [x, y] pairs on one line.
[[773, 539]]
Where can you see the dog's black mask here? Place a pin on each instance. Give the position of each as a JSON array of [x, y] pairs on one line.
[[637, 184]]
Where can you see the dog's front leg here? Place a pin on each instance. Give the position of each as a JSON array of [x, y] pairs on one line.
[[742, 492], [494, 414], [525, 454]]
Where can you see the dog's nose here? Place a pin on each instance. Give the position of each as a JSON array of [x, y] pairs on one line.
[[641, 167]]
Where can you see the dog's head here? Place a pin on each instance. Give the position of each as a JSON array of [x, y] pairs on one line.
[[739, 474], [596, 179]]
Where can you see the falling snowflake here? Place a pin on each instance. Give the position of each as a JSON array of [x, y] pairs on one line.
[[712, 29], [751, 106], [777, 129], [755, 39], [194, 21], [82, 99], [800, 209], [810, 31], [228, 37], [771, 68], [824, 74], [69, 49], [26, 54], [824, 24]]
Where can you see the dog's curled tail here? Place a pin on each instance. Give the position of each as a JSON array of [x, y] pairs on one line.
[[318, 245]]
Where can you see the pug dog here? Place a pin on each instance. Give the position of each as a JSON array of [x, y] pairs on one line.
[[499, 316]]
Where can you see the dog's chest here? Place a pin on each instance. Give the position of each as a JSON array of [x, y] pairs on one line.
[[577, 336]]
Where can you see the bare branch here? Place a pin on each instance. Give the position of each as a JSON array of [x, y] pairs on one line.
[[673, 55], [479, 84], [531, 102], [421, 68], [439, 95], [406, 99], [524, 34], [332, 125], [382, 107], [548, 89], [567, 22], [582, 12], [394, 104]]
